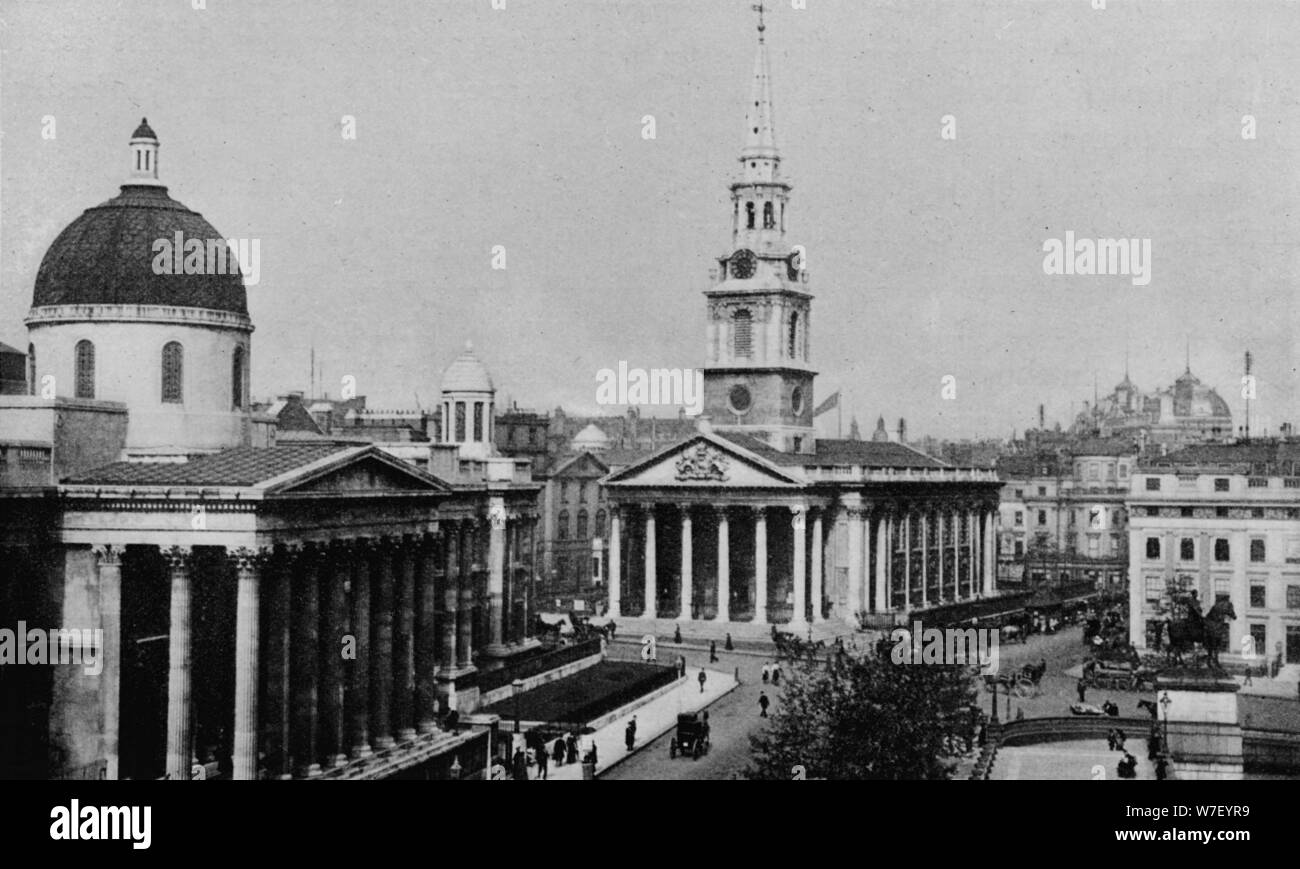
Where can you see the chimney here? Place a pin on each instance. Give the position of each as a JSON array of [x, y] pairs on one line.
[[1042, 424], [902, 430]]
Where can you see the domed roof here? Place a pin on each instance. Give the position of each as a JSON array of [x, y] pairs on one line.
[[106, 255], [590, 438], [467, 374]]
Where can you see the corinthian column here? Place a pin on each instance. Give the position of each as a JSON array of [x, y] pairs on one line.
[[817, 566], [685, 608], [248, 568], [760, 565], [797, 524], [650, 567], [724, 567], [109, 568], [403, 644], [381, 637], [179, 750], [615, 569], [426, 642]]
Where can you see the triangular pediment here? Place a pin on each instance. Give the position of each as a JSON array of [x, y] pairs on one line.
[[704, 461], [369, 470]]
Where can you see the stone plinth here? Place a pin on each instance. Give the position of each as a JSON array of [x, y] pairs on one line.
[[1202, 723]]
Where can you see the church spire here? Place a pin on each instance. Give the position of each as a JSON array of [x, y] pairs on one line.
[[760, 127], [759, 195]]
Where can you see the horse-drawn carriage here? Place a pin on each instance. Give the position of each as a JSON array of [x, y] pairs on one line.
[[1022, 683], [692, 737]]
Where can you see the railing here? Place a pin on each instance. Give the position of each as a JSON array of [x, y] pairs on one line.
[[894, 475], [578, 716], [538, 664]]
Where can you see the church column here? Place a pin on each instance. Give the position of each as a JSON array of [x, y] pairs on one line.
[[686, 610], [956, 555], [109, 579], [857, 577], [305, 642], [971, 568], [381, 640], [451, 593], [426, 642], [797, 524], [248, 567], [650, 570], [615, 569], [337, 572], [939, 527], [817, 568], [179, 749], [925, 558], [358, 669], [882, 563], [760, 565], [907, 561], [404, 641], [989, 549], [465, 617], [724, 567], [496, 569]]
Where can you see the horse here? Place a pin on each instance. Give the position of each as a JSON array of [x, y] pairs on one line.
[[1210, 630], [1149, 706]]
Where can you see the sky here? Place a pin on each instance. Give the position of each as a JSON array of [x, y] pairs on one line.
[[522, 127]]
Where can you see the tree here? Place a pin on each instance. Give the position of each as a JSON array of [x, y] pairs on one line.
[[851, 718]]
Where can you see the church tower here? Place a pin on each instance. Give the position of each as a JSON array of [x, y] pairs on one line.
[[757, 379]]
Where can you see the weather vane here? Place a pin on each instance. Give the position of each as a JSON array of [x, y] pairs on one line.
[[760, 9]]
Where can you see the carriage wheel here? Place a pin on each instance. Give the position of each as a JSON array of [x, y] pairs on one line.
[[1024, 687]]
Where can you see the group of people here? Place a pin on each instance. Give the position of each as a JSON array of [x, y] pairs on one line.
[[772, 673]]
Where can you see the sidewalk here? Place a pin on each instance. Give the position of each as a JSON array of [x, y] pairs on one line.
[[652, 721]]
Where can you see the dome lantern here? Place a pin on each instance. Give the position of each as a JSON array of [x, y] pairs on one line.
[[144, 156]]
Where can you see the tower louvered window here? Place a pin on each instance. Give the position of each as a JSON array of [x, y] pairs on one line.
[[744, 338]]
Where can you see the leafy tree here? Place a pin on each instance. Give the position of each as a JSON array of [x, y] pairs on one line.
[[852, 718]]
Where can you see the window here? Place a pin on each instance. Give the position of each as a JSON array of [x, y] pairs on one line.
[[1042, 491], [741, 324], [749, 215], [562, 526], [1259, 634], [1020, 493], [769, 217], [793, 341], [1042, 517], [1187, 549], [1222, 550], [1220, 484], [1293, 597], [1222, 590], [1257, 483], [478, 421], [1185, 512], [1221, 512], [173, 358], [1153, 484], [600, 523], [460, 422], [1155, 588], [1258, 600], [85, 361], [564, 490], [1020, 547], [1093, 473], [31, 369], [1257, 549], [1020, 517], [1123, 472], [237, 379], [582, 524], [1153, 547], [1257, 512]]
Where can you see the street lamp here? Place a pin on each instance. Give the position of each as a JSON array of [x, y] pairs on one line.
[[995, 702], [1165, 703], [518, 686]]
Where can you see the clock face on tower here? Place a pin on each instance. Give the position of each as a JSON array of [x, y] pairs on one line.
[[742, 264]]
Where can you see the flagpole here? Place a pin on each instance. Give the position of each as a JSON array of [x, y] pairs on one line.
[[839, 419]]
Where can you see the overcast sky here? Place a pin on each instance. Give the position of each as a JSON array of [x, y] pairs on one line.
[[522, 127]]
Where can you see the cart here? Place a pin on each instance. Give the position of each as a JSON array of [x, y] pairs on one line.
[[692, 737]]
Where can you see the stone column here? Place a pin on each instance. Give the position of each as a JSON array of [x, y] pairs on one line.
[[857, 575], [989, 549], [179, 749], [404, 642], [465, 616], [451, 594], [956, 555], [336, 573], [685, 609], [615, 569], [724, 567], [925, 559], [426, 642], [248, 568], [882, 563], [381, 640], [760, 565], [109, 569], [358, 670], [797, 524], [939, 528], [530, 578], [650, 569], [907, 561], [279, 653], [305, 643], [817, 568], [496, 570], [971, 564]]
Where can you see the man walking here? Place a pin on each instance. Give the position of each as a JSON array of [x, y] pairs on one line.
[[713, 651], [629, 735], [763, 703], [702, 678], [543, 763], [767, 673], [1082, 688]]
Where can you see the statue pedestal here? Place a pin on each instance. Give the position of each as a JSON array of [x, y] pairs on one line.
[[1204, 733]]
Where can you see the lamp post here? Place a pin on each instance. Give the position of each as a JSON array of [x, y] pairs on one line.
[[994, 717], [518, 686], [1165, 703]]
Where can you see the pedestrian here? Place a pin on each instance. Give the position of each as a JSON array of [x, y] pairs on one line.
[[713, 651], [727, 645], [681, 665], [558, 754], [702, 678], [1119, 739], [612, 628], [629, 735], [1110, 739], [1082, 688], [1162, 768], [767, 673], [763, 703], [776, 673], [677, 634], [571, 744], [520, 765], [543, 763]]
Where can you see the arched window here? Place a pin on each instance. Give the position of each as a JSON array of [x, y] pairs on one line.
[[478, 421], [85, 365], [749, 215], [173, 365], [743, 341], [599, 530], [237, 380], [769, 219], [562, 526], [582, 524], [794, 335], [460, 422], [31, 369]]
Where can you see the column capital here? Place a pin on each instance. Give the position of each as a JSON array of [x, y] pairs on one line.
[[759, 511], [108, 556], [648, 507], [686, 511], [249, 559], [798, 516], [177, 557], [722, 511]]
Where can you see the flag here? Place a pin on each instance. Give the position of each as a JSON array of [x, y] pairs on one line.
[[831, 402]]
